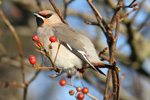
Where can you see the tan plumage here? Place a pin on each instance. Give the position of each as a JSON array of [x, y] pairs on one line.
[[75, 50]]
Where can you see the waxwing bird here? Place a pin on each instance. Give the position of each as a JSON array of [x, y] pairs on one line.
[[75, 48]]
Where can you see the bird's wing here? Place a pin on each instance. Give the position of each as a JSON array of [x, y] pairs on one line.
[[82, 55], [68, 35], [71, 40]]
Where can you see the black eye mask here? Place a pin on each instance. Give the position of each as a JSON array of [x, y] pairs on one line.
[[46, 16]]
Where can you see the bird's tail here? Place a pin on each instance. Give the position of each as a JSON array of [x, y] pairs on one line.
[[97, 69]]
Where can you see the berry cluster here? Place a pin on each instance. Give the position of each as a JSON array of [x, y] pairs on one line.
[[35, 38], [82, 91]]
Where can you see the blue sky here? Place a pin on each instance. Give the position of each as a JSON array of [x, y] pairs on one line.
[[39, 87]]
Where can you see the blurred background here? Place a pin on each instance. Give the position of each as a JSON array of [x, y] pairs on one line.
[[133, 50]]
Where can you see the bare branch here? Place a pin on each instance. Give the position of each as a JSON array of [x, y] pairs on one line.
[[103, 51], [18, 42], [66, 3], [103, 25], [92, 96], [91, 23], [33, 78], [121, 78], [38, 2], [6, 84], [107, 85], [57, 11], [133, 18], [128, 13]]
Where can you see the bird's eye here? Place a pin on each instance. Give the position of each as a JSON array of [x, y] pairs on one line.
[[48, 15]]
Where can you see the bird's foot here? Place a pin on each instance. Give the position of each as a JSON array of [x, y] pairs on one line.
[[54, 76]]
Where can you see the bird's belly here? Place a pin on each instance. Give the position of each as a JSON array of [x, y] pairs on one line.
[[66, 60]]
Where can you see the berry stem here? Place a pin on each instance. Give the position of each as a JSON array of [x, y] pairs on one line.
[[92, 96], [57, 51], [80, 80], [71, 82]]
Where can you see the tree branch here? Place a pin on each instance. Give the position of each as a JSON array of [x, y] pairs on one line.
[[57, 11]]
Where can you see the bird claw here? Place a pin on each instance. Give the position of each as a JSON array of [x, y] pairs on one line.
[[54, 76]]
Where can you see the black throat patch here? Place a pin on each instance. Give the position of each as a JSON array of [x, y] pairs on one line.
[[39, 21]]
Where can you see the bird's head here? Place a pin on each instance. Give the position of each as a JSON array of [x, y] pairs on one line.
[[47, 17]]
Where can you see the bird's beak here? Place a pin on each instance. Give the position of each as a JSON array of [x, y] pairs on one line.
[[37, 15]]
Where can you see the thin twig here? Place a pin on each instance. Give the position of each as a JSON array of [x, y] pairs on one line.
[[111, 95], [128, 13], [107, 85], [80, 79], [103, 51], [42, 68], [115, 74], [92, 96], [113, 20], [57, 51], [144, 23], [121, 78], [91, 23], [33, 78], [18, 42], [20, 50], [102, 65], [103, 25], [129, 6], [38, 2], [66, 3], [55, 8], [132, 3], [25, 92], [6, 84], [133, 18], [104, 57]]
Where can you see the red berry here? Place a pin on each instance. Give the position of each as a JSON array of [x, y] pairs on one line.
[[35, 38], [79, 89], [32, 60], [85, 90], [62, 82], [31, 57], [80, 96], [52, 39], [71, 92], [40, 44]]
